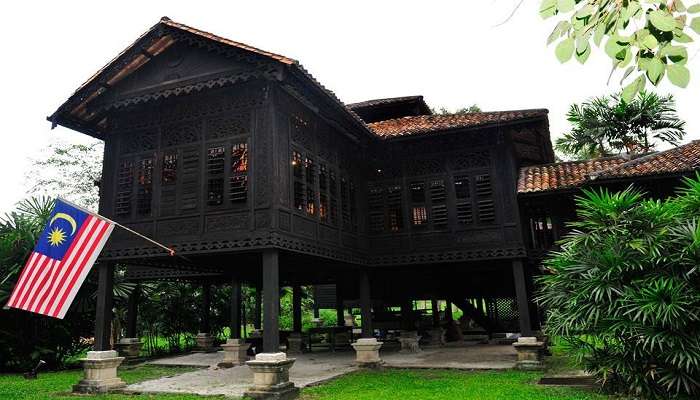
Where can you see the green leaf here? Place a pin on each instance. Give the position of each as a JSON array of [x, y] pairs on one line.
[[583, 53], [561, 27], [633, 88], [564, 50], [585, 11], [613, 47], [678, 75], [694, 9], [599, 33], [655, 70], [565, 6], [695, 25], [662, 20], [626, 74], [650, 42], [677, 54], [683, 38], [548, 8]]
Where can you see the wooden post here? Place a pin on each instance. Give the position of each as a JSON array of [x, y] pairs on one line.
[[205, 326], [407, 315], [132, 312], [103, 317], [271, 294], [366, 305], [257, 317], [339, 313], [235, 323], [436, 312], [296, 308], [521, 295], [448, 311]]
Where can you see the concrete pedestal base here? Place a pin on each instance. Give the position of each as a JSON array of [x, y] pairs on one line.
[[367, 352], [100, 369], [434, 338], [409, 342], [530, 353], [271, 377], [205, 342], [295, 344], [235, 353], [129, 348]]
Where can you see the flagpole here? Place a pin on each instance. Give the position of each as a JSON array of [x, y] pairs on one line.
[[166, 248]]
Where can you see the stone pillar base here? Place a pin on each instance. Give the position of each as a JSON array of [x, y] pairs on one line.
[[530, 353], [436, 338], [129, 348], [205, 343], [295, 343], [367, 352], [235, 353], [409, 342], [271, 377], [100, 369]]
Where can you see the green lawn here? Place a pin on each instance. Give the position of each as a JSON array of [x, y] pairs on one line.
[[442, 385], [371, 385], [57, 385]]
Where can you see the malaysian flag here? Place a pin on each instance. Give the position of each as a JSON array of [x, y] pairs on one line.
[[62, 258]]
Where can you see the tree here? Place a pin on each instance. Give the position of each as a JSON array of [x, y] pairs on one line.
[[608, 125], [646, 38], [69, 170], [464, 110], [623, 293]]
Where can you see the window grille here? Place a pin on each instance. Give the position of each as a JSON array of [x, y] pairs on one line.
[[438, 197], [215, 176], [394, 214], [124, 189], [345, 201], [298, 172], [333, 191], [485, 205], [376, 209], [310, 186], [238, 184], [144, 182], [191, 178], [169, 175], [419, 216]]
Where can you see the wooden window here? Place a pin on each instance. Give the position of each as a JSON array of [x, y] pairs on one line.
[[191, 178], [144, 185], [345, 201], [298, 172], [238, 181], [376, 209], [463, 202], [125, 182], [485, 205], [323, 203], [438, 198], [419, 212], [215, 175], [353, 205], [310, 172], [419, 216], [169, 175], [394, 206], [333, 191], [541, 232]]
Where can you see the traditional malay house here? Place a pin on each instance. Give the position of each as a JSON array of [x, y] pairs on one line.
[[255, 173]]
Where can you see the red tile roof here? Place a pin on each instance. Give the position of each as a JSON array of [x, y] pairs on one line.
[[558, 176], [540, 178], [416, 125]]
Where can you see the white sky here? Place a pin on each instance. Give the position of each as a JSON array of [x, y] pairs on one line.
[[450, 52]]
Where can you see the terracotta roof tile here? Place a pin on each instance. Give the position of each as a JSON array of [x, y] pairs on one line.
[[549, 177], [416, 125], [679, 159], [540, 178]]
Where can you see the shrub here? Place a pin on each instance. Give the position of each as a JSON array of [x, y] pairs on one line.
[[624, 291]]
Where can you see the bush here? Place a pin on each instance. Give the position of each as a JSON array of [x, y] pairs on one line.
[[624, 291]]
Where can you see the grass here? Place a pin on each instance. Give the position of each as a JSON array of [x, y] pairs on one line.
[[442, 385], [57, 385]]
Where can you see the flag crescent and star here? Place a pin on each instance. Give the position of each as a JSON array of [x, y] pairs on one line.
[[64, 254]]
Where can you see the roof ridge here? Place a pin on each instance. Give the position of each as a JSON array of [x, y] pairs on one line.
[[476, 113], [644, 158], [606, 158]]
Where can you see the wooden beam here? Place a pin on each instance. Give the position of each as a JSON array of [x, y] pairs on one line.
[[103, 312], [235, 323], [257, 317], [366, 305], [339, 311], [296, 308], [271, 300], [205, 326], [132, 311], [521, 295]]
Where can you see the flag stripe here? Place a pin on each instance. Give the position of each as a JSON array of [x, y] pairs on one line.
[[86, 229], [85, 269], [80, 265], [36, 278], [22, 278], [43, 284]]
